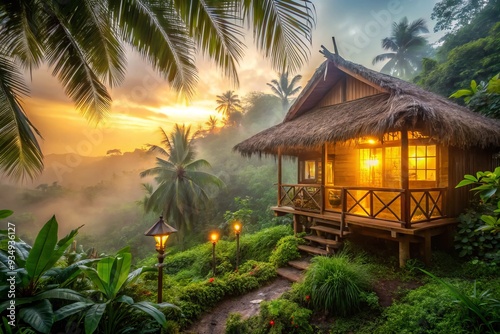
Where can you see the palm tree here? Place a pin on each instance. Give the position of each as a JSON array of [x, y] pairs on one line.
[[211, 123], [228, 103], [407, 48], [84, 43], [183, 188], [283, 88]]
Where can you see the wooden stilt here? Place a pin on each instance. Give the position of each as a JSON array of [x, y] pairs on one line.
[[404, 251]]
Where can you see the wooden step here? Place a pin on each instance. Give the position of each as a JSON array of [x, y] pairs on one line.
[[299, 264], [327, 229], [331, 243], [291, 274], [313, 250], [328, 222]]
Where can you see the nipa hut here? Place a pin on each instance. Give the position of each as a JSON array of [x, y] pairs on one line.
[[376, 156]]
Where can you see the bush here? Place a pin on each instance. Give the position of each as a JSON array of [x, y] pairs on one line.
[[286, 250], [474, 244], [337, 285], [275, 317], [428, 309]]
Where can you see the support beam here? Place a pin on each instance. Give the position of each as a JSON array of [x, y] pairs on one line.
[[324, 158], [280, 181], [404, 251], [405, 179]]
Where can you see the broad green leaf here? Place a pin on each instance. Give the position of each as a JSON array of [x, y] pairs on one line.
[[5, 213], [124, 299], [120, 272], [104, 267], [93, 317], [470, 177], [497, 171], [66, 294], [473, 86], [39, 316], [152, 311], [134, 275], [461, 92], [42, 250], [464, 183], [91, 273], [70, 309]]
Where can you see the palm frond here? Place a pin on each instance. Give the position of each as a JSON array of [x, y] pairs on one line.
[[72, 68], [383, 57], [158, 33], [20, 154], [282, 30], [216, 30], [95, 33], [20, 33]]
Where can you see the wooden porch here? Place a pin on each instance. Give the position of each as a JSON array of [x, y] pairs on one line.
[[331, 213]]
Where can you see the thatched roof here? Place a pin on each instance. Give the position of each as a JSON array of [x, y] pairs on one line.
[[402, 106]]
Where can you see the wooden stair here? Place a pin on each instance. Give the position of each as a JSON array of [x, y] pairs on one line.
[[290, 273], [326, 238]]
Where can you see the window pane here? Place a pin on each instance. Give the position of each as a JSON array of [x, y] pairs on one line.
[[431, 175], [421, 163], [431, 163], [420, 151], [413, 163], [431, 150], [310, 172], [421, 175]]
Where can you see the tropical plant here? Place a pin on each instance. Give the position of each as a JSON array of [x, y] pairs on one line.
[[37, 282], [183, 188], [488, 188], [285, 88], [110, 310], [211, 123], [406, 46], [483, 97], [84, 43], [482, 309], [228, 103], [337, 285], [286, 250]]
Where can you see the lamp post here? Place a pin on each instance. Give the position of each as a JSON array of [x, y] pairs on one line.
[[237, 231], [213, 238], [160, 231]]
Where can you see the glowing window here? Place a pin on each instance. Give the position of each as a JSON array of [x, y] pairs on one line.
[[310, 170], [422, 162]]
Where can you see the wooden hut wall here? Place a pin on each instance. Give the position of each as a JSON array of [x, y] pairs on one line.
[[357, 89], [347, 88], [335, 96], [462, 162]]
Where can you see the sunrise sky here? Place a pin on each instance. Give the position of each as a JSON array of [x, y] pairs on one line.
[[144, 102]]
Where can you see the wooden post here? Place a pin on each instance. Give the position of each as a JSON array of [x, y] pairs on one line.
[[404, 250], [279, 176], [323, 177], [405, 179], [297, 228]]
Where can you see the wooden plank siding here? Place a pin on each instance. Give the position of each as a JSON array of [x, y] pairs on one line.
[[347, 88], [463, 162]]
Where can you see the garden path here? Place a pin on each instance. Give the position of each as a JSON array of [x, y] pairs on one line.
[[214, 322]]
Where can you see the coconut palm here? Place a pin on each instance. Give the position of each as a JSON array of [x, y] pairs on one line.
[[84, 43], [407, 48], [183, 187], [211, 123], [284, 88], [228, 103]]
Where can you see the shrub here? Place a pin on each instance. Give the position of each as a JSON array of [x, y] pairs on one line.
[[286, 250], [475, 244], [429, 309], [275, 317], [235, 324], [335, 284]]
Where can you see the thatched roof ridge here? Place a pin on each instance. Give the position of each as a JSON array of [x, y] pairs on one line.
[[404, 106]]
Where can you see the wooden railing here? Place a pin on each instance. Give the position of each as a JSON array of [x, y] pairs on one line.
[[394, 205]]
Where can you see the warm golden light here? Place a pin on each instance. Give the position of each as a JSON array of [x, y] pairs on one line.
[[214, 237], [161, 241], [371, 141], [237, 228]]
